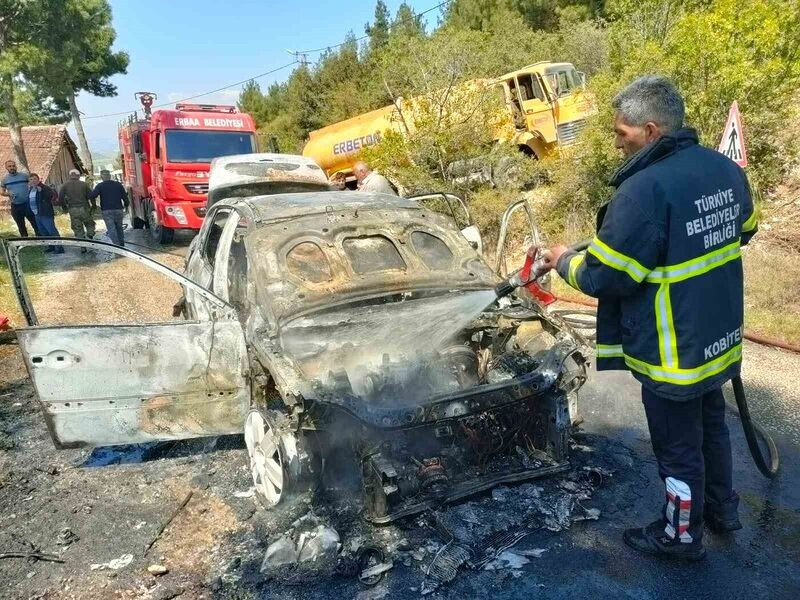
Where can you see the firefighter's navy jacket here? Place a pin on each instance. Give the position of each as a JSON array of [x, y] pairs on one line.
[[666, 267]]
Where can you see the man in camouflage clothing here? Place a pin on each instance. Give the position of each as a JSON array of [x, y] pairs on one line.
[[74, 197]]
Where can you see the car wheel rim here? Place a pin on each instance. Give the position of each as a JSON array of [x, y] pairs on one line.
[[266, 463]]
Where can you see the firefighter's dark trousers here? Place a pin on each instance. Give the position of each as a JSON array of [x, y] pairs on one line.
[[693, 449]]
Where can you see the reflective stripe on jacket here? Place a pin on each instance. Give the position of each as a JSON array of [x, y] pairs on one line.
[[666, 267]]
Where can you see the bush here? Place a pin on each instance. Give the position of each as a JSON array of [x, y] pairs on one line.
[[720, 51]]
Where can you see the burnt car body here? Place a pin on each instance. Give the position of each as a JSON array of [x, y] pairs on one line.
[[345, 333]]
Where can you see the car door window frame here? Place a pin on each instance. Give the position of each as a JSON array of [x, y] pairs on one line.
[[211, 219], [219, 276], [12, 248]]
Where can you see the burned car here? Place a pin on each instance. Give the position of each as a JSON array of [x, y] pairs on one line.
[[353, 337]]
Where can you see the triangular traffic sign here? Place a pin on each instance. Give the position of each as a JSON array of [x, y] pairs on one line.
[[732, 144]]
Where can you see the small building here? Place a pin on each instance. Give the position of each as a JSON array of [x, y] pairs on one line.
[[51, 153]]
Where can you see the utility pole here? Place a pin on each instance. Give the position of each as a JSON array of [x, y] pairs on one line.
[[300, 57]]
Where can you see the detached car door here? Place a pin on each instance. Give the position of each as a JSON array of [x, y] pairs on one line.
[[137, 376]]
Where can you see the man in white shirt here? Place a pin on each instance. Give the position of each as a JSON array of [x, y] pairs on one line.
[[370, 181]]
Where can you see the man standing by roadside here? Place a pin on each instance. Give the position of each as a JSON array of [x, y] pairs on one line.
[[666, 267], [41, 202], [74, 197], [15, 186], [370, 181], [113, 201]]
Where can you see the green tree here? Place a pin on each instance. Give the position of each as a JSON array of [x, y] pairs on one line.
[[407, 22], [251, 101], [444, 119], [378, 31], [33, 107], [78, 37], [539, 15], [17, 50], [479, 15], [716, 52]]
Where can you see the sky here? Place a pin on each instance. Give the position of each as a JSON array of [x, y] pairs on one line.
[[179, 48]]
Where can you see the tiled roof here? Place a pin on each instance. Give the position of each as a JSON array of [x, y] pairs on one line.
[[42, 143]]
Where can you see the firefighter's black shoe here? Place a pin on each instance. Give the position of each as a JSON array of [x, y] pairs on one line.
[[720, 522], [654, 540]]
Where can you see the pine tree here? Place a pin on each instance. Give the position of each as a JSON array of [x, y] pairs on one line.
[[378, 32]]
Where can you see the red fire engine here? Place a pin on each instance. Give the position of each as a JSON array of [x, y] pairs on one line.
[[166, 157]]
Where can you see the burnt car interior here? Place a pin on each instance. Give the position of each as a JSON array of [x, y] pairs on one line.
[[412, 372]]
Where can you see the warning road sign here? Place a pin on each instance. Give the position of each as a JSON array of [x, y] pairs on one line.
[[732, 144]]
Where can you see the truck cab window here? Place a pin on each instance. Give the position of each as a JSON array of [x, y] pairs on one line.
[[530, 88], [525, 87], [512, 87], [515, 105], [186, 146], [563, 81], [158, 145]]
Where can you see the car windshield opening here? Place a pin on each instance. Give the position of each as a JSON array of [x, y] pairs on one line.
[[372, 253], [185, 146], [432, 250]]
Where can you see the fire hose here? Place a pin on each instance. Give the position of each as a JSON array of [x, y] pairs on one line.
[[528, 277]]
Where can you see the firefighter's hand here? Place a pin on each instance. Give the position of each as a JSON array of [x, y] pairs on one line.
[[550, 257]]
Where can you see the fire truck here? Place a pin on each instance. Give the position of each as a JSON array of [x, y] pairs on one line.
[[166, 157]]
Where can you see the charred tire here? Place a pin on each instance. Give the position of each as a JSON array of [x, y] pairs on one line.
[[279, 461], [159, 233]]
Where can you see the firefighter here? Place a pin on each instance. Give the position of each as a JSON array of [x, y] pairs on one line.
[[666, 267], [74, 197]]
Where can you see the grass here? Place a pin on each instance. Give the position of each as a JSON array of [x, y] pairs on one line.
[[33, 262], [772, 282]]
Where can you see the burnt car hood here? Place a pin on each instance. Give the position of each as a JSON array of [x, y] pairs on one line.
[[389, 363], [526, 380]]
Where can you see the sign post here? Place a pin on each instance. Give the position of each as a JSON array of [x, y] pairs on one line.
[[732, 143]]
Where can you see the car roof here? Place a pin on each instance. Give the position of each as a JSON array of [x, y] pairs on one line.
[[264, 166], [284, 206]]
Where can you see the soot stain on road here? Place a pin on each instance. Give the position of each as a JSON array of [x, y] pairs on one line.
[[113, 500]]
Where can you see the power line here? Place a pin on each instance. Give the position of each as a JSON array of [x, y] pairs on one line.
[[243, 81], [300, 58], [364, 37]]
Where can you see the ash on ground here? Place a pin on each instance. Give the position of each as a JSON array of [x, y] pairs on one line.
[[503, 530]]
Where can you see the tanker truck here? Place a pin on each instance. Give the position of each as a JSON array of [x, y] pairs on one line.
[[546, 101]]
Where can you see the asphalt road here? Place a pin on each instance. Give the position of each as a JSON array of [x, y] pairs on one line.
[[760, 561]]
